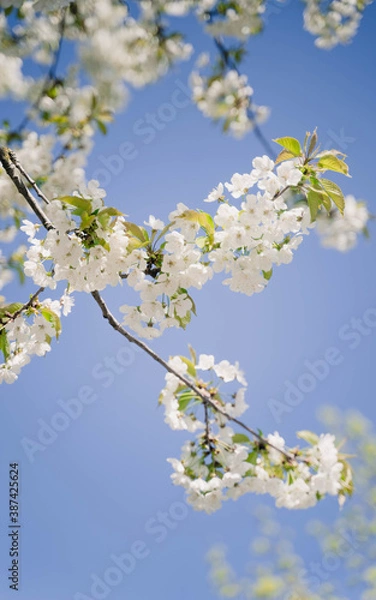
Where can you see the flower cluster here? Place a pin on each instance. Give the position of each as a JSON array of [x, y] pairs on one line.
[[24, 333], [42, 5], [91, 246], [238, 19], [163, 277], [334, 23], [221, 464], [12, 81], [243, 242], [88, 255], [341, 232], [120, 48], [228, 99], [263, 232]]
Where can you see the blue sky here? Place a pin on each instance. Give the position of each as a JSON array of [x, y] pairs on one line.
[[101, 487]]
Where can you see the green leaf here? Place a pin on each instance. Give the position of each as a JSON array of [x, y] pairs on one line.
[[335, 193], [314, 200], [252, 457], [206, 222], [284, 155], [134, 244], [110, 211], [101, 126], [103, 243], [163, 231], [86, 220], [82, 204], [138, 232], [190, 365], [105, 215], [193, 354], [327, 203], [193, 309], [291, 144], [185, 399], [308, 436], [267, 274], [329, 162], [4, 346], [183, 321], [12, 308], [346, 477], [191, 215], [52, 318], [240, 438]]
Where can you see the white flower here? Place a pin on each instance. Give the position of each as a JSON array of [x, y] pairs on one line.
[[240, 184], [154, 223], [341, 231], [205, 362], [215, 194], [278, 442], [288, 174], [67, 302]]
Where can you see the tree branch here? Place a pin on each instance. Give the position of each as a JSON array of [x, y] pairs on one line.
[[7, 159], [51, 76], [203, 394], [32, 182], [231, 64], [27, 305]]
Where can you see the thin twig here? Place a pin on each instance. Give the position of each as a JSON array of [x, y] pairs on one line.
[[7, 160], [32, 182], [51, 76], [231, 64], [24, 307], [203, 394]]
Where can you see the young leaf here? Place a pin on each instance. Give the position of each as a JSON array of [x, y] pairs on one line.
[[83, 204], [4, 346], [240, 438], [185, 399], [329, 162], [138, 232], [190, 365], [308, 436], [327, 203], [193, 354], [335, 193], [101, 126], [314, 200], [206, 222], [110, 211], [52, 318], [12, 308], [268, 274], [284, 155], [312, 143], [291, 144]]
